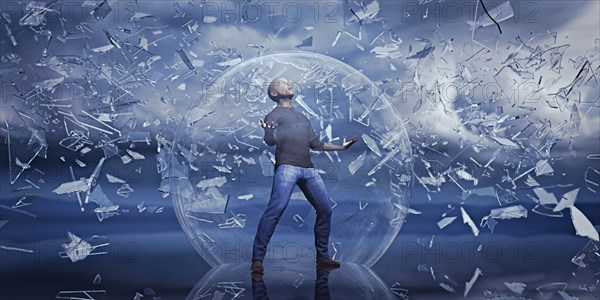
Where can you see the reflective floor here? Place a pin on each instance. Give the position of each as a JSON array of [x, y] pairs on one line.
[[285, 280]]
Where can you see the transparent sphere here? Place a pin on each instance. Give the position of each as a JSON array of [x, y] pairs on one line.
[[221, 171]]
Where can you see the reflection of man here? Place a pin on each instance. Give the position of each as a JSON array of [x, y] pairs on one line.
[[259, 288], [294, 136]]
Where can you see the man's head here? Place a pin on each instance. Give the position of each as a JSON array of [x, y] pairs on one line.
[[280, 88]]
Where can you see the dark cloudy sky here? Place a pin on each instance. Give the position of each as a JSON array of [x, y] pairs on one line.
[[137, 81]]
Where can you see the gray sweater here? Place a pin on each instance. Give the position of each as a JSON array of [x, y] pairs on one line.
[[293, 136]]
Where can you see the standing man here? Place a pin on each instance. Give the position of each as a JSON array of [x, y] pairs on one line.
[[293, 136]]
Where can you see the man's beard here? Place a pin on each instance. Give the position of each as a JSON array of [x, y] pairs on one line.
[[287, 97]]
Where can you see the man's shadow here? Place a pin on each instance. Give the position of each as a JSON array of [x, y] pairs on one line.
[[259, 287]]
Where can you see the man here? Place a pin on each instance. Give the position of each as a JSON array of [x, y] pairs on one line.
[[294, 136]]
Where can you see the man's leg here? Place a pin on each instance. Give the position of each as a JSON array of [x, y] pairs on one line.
[[322, 285], [259, 288], [313, 187], [283, 184]]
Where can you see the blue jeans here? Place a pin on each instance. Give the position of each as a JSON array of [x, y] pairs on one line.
[[311, 184]]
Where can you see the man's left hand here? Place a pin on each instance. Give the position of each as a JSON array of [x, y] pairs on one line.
[[347, 144]]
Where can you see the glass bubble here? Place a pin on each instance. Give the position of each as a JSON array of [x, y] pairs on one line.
[[221, 171]]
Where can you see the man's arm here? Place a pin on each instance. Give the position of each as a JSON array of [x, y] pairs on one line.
[[345, 145], [315, 142], [318, 145], [332, 147]]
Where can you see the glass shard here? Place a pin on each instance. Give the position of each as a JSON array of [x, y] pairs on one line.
[[516, 287], [543, 168], [467, 220], [567, 200], [511, 212], [72, 187], [445, 222], [469, 284], [481, 30], [583, 226]]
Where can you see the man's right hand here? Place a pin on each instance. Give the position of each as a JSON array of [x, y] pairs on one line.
[[270, 132], [265, 125]]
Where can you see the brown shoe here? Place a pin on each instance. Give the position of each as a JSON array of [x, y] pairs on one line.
[[257, 266], [328, 264], [257, 276]]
